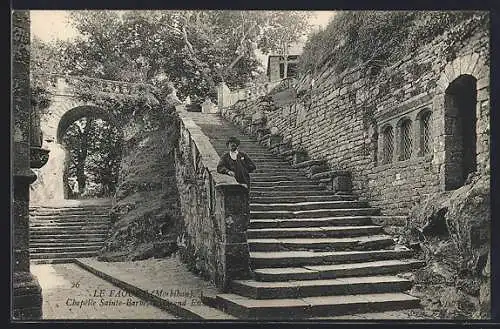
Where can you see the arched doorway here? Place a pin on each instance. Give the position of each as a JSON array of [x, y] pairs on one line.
[[460, 131], [92, 143], [51, 184]]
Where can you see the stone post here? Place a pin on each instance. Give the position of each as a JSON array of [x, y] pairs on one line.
[[223, 95], [27, 293], [233, 214], [274, 140], [299, 156]]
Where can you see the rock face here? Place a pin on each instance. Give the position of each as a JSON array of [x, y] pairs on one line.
[[452, 230], [145, 213]]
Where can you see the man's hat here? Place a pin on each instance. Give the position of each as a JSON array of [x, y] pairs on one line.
[[233, 140]]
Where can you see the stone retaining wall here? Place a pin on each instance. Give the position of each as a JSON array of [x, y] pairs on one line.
[[214, 208], [341, 118]]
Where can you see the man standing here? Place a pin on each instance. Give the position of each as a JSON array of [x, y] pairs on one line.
[[236, 163]]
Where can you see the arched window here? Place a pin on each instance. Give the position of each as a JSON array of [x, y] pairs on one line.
[[425, 133], [406, 140], [388, 145]]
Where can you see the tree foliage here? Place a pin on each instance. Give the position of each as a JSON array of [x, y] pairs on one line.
[[43, 61], [384, 37], [95, 153], [195, 50]]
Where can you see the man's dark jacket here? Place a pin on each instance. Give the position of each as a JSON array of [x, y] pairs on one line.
[[242, 167]]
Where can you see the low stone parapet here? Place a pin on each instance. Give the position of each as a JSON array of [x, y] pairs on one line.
[[215, 209]]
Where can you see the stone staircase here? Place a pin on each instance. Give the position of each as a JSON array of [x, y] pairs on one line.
[[61, 232], [313, 253]]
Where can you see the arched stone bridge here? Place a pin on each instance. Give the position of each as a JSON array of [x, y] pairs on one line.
[[64, 109]]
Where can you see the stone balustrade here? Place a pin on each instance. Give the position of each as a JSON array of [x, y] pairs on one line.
[[227, 97], [63, 83], [215, 209]]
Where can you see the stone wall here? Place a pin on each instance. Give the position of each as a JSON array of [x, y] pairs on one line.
[[214, 208], [26, 293], [341, 118]]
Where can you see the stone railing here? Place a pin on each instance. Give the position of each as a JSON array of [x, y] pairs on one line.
[[60, 83], [227, 97], [215, 209]]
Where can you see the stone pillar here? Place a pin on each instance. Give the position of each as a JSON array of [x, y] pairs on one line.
[[233, 215], [223, 95], [27, 296]]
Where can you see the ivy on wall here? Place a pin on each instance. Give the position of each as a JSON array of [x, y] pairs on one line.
[[385, 37]]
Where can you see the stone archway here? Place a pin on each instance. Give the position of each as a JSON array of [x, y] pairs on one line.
[[50, 185], [461, 108]]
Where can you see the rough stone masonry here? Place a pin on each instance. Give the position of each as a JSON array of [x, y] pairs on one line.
[[26, 294], [350, 119]]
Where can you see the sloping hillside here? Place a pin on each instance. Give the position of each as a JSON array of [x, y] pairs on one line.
[[145, 213]]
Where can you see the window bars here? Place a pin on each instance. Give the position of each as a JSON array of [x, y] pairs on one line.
[[425, 133], [406, 140], [388, 147]]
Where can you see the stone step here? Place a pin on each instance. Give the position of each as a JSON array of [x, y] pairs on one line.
[[323, 287], [301, 258], [257, 150], [271, 162], [288, 183], [66, 216], [245, 140], [268, 159], [64, 235], [323, 244], [283, 188], [284, 193], [303, 308], [309, 222], [50, 215], [309, 232], [35, 240], [67, 254], [298, 198], [307, 205], [63, 243], [63, 249], [313, 213], [55, 207], [281, 178], [70, 229], [269, 170], [52, 261], [337, 270], [58, 223], [71, 207], [276, 171], [262, 166]]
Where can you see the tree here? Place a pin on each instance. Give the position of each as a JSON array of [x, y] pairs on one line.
[[195, 50], [44, 60], [286, 28], [95, 154]]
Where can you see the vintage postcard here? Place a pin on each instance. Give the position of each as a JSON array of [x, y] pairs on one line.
[[250, 165]]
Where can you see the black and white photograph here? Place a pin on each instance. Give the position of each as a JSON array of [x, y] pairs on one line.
[[250, 165]]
